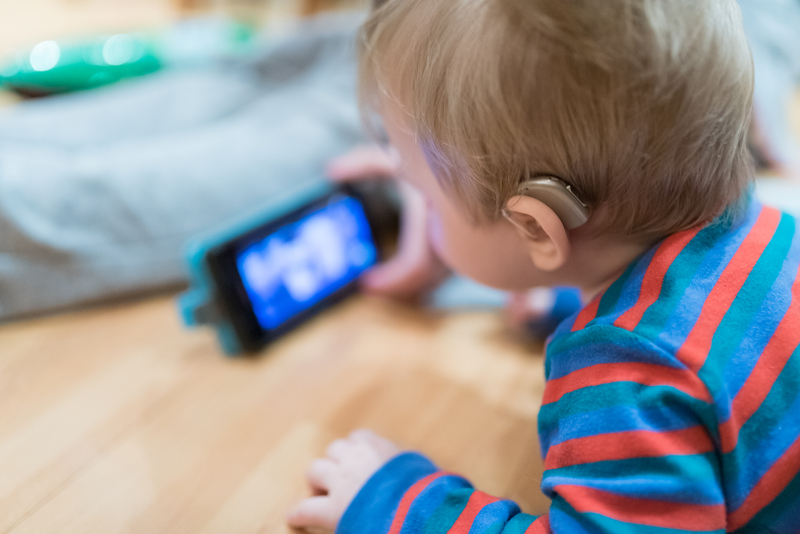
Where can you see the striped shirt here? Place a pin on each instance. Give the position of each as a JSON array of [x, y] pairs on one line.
[[672, 404]]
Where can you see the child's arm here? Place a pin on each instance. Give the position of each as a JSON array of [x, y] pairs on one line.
[[365, 486], [628, 450]]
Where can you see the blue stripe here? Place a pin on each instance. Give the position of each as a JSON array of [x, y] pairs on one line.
[[662, 418], [693, 479], [564, 519], [433, 498], [787, 522], [604, 344], [519, 524], [628, 295], [780, 516], [437, 518], [493, 517], [588, 401], [766, 436]]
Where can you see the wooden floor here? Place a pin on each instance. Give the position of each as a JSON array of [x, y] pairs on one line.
[[117, 420]]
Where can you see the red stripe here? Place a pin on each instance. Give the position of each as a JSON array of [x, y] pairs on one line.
[[474, 506], [776, 354], [640, 373], [627, 445], [654, 277], [587, 314], [408, 499], [768, 488], [663, 514], [698, 344], [540, 526]]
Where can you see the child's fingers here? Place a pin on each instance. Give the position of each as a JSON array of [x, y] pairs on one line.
[[313, 512], [363, 434], [364, 162], [339, 449], [385, 448], [321, 474], [414, 268]]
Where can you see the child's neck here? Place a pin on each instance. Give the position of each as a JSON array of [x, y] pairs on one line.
[[595, 263]]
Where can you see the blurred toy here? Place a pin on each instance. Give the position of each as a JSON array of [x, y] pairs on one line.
[[53, 67]]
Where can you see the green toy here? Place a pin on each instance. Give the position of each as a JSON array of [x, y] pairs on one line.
[[53, 67]]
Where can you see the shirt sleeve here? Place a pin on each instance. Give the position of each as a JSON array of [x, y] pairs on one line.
[[410, 495], [626, 436]]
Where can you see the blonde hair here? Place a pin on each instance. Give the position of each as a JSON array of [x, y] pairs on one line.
[[643, 106]]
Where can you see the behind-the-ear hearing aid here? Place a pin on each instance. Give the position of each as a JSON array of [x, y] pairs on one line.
[[558, 196]]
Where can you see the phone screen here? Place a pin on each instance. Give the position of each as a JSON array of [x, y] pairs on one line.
[[302, 262]]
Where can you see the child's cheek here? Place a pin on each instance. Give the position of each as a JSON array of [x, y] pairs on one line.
[[447, 240], [436, 235], [454, 244]]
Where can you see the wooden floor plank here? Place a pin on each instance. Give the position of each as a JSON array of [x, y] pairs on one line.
[[76, 391]]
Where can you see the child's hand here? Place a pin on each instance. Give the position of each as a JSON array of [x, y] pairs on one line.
[[415, 268], [336, 479]]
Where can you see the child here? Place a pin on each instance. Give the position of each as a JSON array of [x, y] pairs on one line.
[[600, 144]]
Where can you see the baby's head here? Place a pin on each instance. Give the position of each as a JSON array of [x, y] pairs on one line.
[[641, 106]]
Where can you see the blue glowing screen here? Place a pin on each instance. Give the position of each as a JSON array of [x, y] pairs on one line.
[[303, 262]]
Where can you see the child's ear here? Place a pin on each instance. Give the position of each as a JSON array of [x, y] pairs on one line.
[[542, 230]]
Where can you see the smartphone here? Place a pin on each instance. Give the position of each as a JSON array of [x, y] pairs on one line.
[[263, 281]]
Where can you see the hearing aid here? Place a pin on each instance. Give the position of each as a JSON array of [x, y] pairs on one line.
[[558, 196]]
